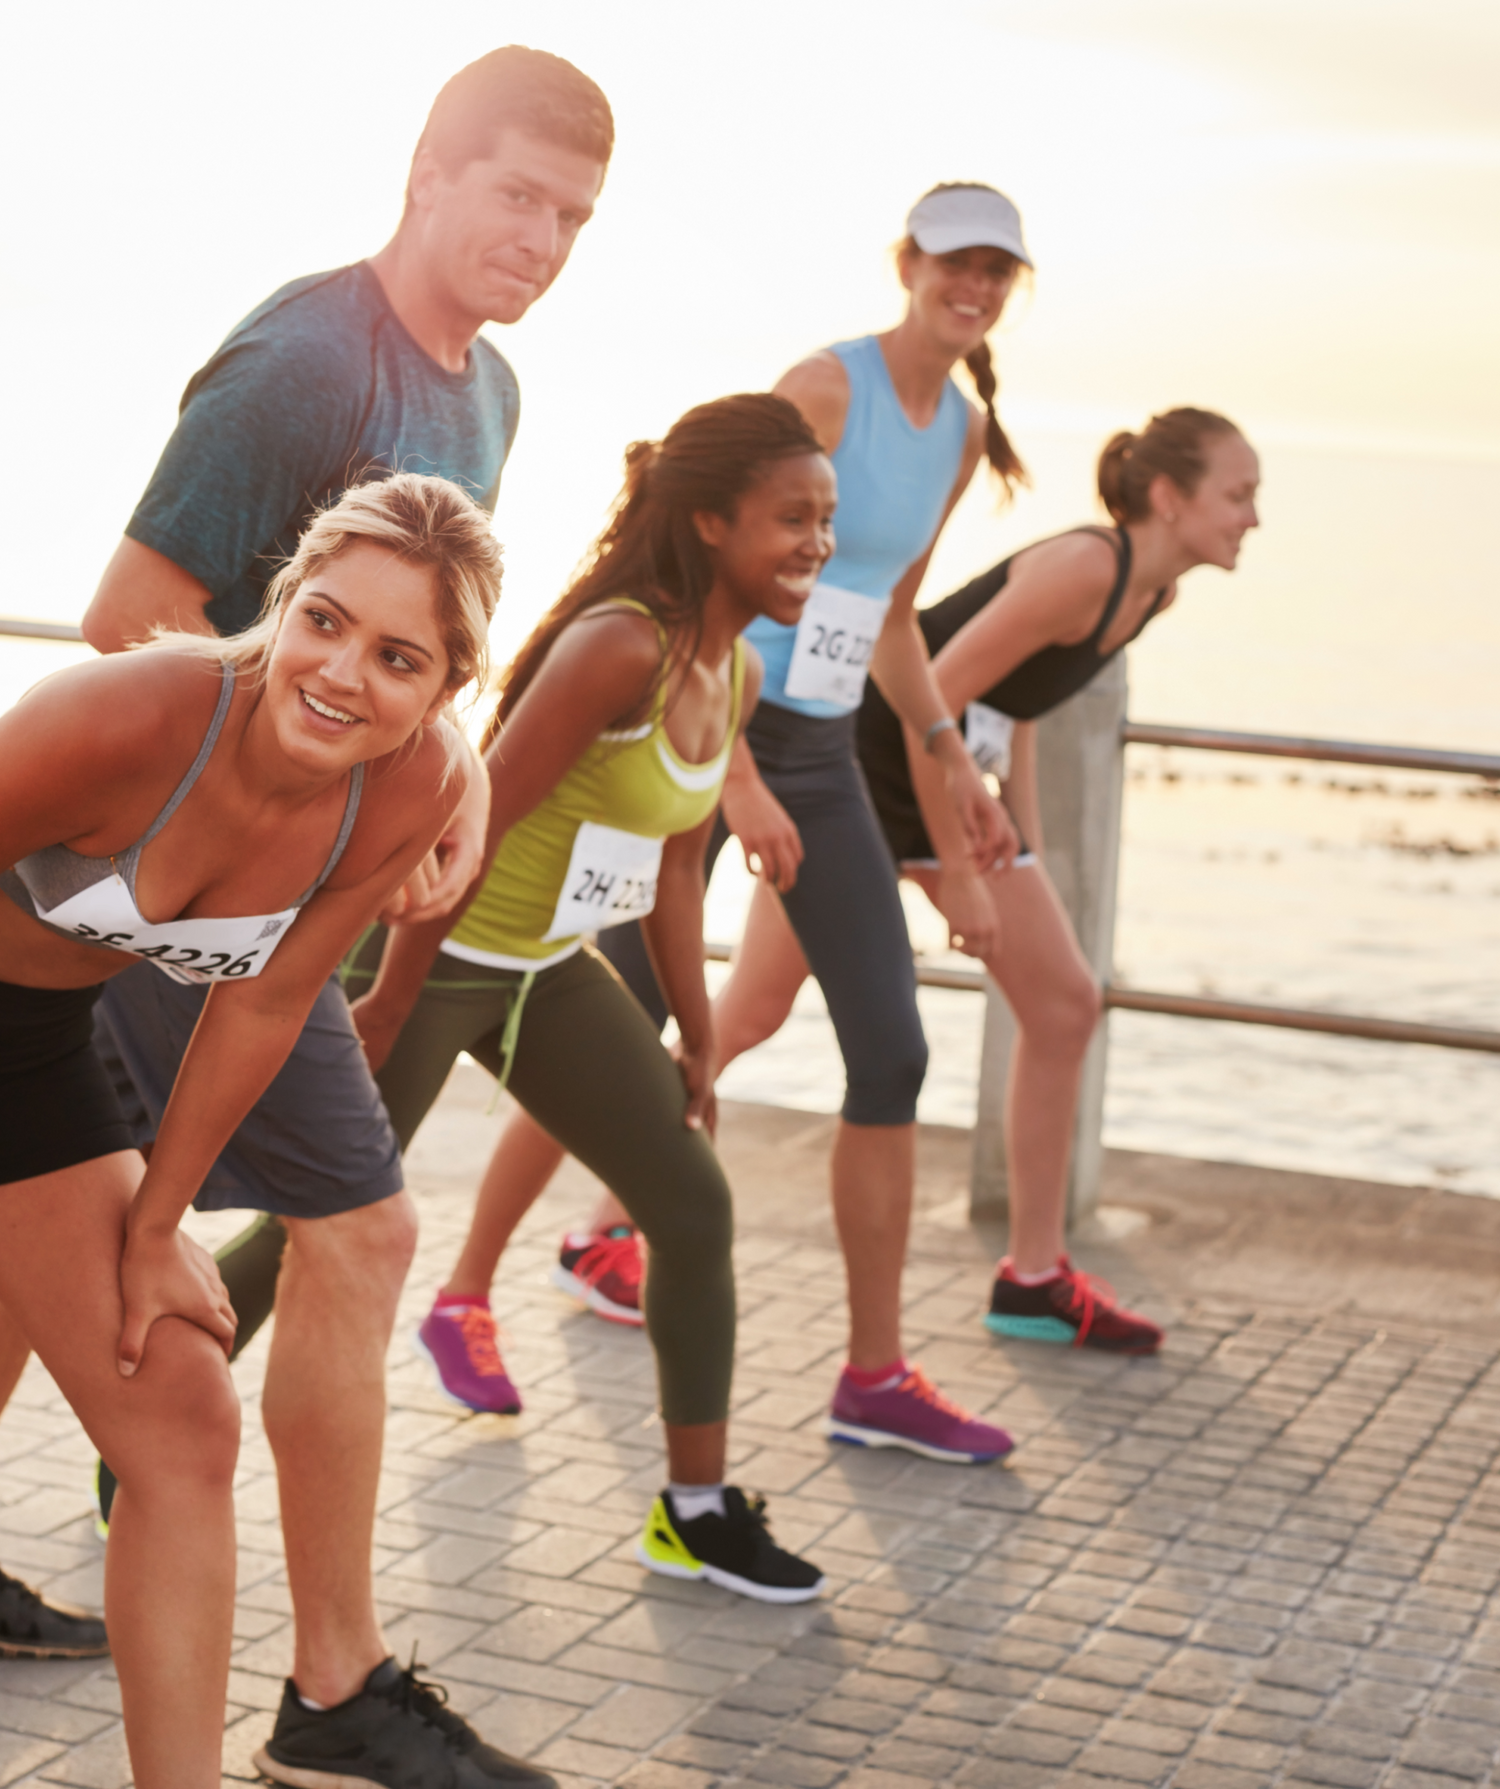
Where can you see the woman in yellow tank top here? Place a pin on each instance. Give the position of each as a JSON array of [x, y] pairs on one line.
[[606, 763]]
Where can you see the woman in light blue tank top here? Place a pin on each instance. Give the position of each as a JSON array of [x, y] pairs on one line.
[[905, 444]]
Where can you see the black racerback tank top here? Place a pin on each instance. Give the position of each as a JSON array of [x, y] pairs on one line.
[[1056, 672]]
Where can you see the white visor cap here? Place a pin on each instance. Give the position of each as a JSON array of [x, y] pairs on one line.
[[966, 217]]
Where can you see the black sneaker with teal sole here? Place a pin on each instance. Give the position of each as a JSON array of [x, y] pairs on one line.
[[33, 1628], [397, 1733], [734, 1550], [1076, 1309]]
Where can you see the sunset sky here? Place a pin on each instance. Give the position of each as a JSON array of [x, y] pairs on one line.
[[1287, 212]]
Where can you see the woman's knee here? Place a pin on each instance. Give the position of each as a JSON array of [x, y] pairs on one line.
[[1064, 1021], [882, 1088], [695, 1229], [178, 1419]]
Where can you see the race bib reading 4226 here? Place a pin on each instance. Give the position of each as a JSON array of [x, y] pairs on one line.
[[188, 950], [611, 878], [835, 642]]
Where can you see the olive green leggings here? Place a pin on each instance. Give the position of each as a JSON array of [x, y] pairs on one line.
[[587, 1065]]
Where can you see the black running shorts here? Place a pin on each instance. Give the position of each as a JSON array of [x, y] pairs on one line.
[[57, 1106]]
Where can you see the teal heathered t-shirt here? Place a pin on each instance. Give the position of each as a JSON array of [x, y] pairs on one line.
[[318, 388]]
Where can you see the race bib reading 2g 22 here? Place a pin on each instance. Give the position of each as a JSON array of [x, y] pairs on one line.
[[189, 950], [611, 878], [835, 642]]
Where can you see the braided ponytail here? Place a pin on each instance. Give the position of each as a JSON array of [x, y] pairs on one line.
[[998, 450]]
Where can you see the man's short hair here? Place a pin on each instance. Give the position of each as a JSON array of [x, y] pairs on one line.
[[519, 89]]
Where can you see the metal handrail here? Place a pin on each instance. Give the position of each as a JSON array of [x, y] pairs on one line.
[[1184, 1006], [1320, 751], [39, 630], [1235, 1012]]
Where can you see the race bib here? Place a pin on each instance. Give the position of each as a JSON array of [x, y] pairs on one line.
[[835, 641], [189, 950], [611, 878], [987, 734]]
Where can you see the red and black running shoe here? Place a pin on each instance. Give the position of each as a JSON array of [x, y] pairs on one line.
[[1075, 1309], [605, 1271]]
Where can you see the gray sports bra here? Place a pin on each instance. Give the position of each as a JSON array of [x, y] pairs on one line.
[[93, 898]]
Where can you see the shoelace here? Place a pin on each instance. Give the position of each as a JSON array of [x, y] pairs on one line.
[[920, 1386], [478, 1329], [618, 1252], [429, 1703], [1086, 1294]]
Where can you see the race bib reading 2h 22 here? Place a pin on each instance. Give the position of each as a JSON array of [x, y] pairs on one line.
[[611, 878], [835, 642]]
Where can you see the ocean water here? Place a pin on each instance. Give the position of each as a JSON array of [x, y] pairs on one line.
[[1364, 609]]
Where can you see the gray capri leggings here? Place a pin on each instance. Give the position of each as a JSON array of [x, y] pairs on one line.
[[586, 1064], [845, 910]]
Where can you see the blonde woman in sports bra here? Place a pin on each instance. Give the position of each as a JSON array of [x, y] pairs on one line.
[[235, 812], [615, 729]]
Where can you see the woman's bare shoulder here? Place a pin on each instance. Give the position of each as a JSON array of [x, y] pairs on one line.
[[819, 387], [124, 707], [1069, 577]]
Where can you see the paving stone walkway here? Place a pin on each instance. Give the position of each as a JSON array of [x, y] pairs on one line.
[[1268, 1557]]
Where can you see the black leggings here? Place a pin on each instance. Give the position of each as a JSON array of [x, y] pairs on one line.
[[585, 1063], [845, 910]]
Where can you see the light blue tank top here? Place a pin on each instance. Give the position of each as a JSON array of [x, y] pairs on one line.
[[894, 480]]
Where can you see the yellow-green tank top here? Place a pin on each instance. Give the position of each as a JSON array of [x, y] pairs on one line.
[[631, 782]]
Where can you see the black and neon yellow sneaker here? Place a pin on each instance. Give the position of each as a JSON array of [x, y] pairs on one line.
[[735, 1550]]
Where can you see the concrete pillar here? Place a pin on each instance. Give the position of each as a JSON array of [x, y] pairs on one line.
[[1080, 767]]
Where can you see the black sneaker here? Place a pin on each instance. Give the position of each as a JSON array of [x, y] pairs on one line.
[[397, 1733], [1076, 1309], [735, 1550], [32, 1628]]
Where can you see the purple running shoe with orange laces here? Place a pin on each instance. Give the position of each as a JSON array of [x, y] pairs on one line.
[[605, 1271], [1075, 1309], [459, 1340], [909, 1411]]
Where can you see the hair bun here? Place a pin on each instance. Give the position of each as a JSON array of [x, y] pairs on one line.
[[1171, 445]]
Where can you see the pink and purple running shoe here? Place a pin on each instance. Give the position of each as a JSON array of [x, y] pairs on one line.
[[460, 1342], [909, 1411]]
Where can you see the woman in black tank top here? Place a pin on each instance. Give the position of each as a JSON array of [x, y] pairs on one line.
[[1008, 647]]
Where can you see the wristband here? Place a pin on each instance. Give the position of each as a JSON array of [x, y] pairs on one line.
[[939, 726]]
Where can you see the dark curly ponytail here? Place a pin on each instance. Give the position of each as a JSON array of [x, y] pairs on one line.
[[650, 549]]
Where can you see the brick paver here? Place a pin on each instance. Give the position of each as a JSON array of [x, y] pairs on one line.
[[1267, 1557]]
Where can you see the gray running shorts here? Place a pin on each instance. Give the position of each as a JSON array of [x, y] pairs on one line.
[[318, 1140]]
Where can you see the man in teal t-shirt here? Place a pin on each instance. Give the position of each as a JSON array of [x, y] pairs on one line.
[[337, 378]]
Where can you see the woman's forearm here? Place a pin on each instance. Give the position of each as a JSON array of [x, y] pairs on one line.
[[232, 1057], [674, 938], [929, 781], [903, 672], [410, 952]]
